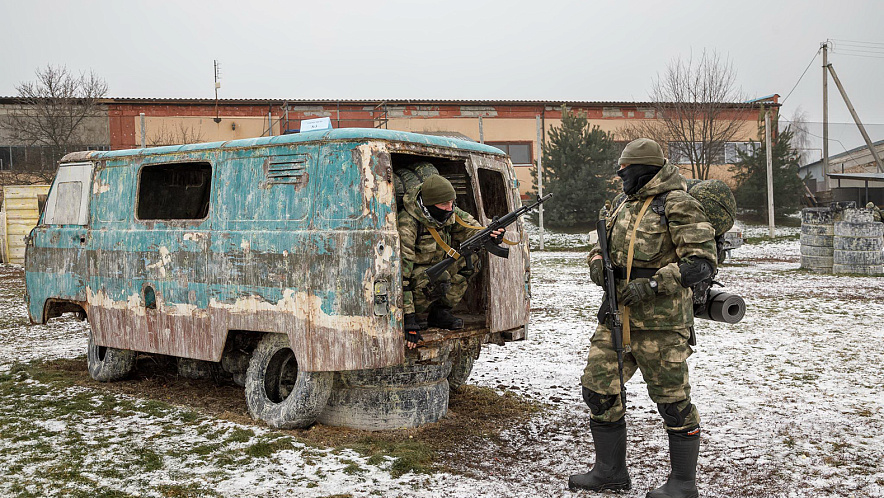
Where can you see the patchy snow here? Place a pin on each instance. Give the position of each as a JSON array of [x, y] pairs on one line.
[[790, 400]]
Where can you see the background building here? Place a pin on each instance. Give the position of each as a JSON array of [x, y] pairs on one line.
[[852, 176], [509, 125]]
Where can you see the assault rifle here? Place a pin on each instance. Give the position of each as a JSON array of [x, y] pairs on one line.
[[613, 318], [481, 239]]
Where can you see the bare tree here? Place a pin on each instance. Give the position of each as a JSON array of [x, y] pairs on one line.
[[697, 109], [175, 135], [52, 114], [801, 136]]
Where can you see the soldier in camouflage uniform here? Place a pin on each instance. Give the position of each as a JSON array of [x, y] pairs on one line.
[[876, 212], [673, 250], [431, 207]]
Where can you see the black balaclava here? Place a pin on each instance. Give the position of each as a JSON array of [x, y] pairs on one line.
[[636, 176], [437, 214]]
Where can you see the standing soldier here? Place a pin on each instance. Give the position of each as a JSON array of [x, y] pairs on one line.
[[429, 226], [659, 236], [876, 212]]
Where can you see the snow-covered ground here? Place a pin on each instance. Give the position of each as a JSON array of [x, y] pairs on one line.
[[790, 400]]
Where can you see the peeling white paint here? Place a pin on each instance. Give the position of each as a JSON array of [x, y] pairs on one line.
[[165, 259], [246, 245], [100, 299], [303, 306], [382, 191], [196, 236], [100, 188]]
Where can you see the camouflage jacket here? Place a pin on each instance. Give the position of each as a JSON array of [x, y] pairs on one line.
[[418, 248], [661, 245]]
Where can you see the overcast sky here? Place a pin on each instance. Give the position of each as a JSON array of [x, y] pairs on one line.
[[397, 49]]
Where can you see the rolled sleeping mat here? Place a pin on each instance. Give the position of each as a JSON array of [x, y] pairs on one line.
[[723, 307]]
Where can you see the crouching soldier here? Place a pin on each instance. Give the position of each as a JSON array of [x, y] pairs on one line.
[[429, 225]]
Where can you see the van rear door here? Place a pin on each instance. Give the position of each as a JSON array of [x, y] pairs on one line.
[[498, 194]]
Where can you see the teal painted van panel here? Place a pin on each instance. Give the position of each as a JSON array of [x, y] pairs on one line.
[[299, 228]]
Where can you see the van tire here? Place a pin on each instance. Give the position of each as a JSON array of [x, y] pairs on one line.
[[189, 368], [462, 366], [108, 364], [279, 393]]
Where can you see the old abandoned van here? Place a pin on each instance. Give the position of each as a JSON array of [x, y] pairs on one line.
[[275, 260]]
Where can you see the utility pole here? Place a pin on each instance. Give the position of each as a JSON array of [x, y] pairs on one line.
[[143, 130], [767, 145], [481, 131], [217, 86], [825, 110], [859, 124], [539, 156]]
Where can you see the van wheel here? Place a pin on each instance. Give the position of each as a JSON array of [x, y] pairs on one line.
[[462, 365], [108, 364], [280, 394]]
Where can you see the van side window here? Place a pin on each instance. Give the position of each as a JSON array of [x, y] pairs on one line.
[[494, 193], [174, 191], [68, 201]]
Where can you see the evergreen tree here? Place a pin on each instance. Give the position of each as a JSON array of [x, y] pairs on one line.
[[750, 172], [578, 167]]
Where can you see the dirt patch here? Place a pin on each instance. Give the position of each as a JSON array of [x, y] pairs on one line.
[[476, 415]]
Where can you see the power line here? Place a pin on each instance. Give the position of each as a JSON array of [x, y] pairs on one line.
[[858, 55], [881, 44], [802, 75]]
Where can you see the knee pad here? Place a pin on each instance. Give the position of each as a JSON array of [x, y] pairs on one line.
[[672, 416], [598, 403]]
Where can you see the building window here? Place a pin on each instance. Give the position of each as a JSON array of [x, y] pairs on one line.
[[174, 191], [679, 152], [520, 153]]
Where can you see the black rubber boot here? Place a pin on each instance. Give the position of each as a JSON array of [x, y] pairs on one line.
[[684, 447], [440, 316], [609, 471]]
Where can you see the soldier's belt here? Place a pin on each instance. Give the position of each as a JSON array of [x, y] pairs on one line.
[[620, 273]]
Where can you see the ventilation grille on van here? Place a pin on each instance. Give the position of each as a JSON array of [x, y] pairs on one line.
[[287, 170]]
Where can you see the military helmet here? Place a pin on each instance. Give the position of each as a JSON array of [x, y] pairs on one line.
[[436, 190], [718, 203], [642, 151]]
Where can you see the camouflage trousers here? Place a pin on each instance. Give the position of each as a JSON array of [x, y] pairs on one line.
[[660, 355], [418, 302]]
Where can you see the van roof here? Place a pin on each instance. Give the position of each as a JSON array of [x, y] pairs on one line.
[[341, 134]]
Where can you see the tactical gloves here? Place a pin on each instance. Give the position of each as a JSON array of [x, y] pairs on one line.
[[637, 291], [597, 272], [412, 330], [695, 270]]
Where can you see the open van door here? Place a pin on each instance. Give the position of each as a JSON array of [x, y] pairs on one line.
[[498, 195], [56, 248]]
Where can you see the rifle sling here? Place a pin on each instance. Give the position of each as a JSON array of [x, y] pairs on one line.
[[629, 255], [445, 247]]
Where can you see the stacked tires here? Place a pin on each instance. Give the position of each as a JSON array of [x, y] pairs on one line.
[[817, 239], [858, 243], [398, 397]]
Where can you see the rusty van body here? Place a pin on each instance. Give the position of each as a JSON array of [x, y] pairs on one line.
[[206, 251]]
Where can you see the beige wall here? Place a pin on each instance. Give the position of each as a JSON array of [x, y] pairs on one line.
[[173, 130]]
